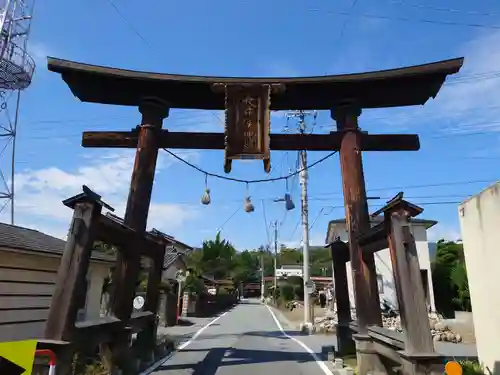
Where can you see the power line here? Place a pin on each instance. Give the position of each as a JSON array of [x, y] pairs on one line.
[[407, 19], [265, 221], [228, 219], [134, 29], [450, 10]]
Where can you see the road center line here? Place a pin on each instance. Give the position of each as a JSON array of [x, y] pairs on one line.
[[160, 362], [320, 363]]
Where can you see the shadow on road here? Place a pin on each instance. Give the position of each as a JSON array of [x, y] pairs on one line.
[[236, 357], [272, 334], [185, 323]]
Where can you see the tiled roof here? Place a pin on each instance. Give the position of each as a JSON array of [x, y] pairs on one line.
[[20, 238], [174, 249]]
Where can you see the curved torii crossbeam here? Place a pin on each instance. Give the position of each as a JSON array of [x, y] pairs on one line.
[[380, 89]]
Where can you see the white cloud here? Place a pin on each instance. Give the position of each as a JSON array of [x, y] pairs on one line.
[[39, 51], [469, 101], [39, 193], [443, 231], [315, 239]]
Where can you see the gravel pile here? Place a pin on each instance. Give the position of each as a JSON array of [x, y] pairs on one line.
[[439, 328]]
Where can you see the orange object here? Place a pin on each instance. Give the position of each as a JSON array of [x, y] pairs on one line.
[[453, 368]]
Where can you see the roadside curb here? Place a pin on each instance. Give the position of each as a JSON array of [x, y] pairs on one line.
[[283, 319], [179, 346]]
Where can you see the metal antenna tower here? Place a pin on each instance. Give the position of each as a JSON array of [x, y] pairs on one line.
[[16, 72]]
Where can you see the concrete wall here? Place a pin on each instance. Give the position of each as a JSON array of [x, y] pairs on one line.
[[383, 264], [480, 226], [26, 287]]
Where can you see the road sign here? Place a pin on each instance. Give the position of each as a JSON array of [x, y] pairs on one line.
[[310, 287], [180, 276], [138, 302], [17, 357]]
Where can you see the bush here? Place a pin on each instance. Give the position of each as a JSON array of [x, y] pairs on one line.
[[294, 280], [474, 368], [286, 292], [298, 292]]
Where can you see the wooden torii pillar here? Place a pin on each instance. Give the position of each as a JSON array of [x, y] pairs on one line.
[[136, 215], [357, 216]]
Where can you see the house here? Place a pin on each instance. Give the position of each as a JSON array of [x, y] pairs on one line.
[[29, 261], [175, 254], [289, 270], [386, 287]]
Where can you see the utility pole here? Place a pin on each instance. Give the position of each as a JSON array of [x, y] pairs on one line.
[[275, 258], [307, 325], [262, 286]]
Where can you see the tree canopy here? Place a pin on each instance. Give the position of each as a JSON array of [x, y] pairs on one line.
[[449, 276], [219, 259]]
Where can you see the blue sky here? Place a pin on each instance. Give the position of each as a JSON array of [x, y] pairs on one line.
[[458, 130]]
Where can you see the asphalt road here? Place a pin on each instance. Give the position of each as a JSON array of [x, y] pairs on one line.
[[245, 341]]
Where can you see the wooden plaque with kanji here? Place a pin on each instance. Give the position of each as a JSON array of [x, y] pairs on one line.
[[247, 124]]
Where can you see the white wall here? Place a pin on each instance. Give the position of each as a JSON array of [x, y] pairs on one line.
[[480, 226], [384, 266], [171, 272], [282, 272], [28, 282]]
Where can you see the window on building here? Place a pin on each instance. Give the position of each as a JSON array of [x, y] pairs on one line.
[[380, 283]]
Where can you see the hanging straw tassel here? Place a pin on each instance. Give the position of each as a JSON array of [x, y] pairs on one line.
[[249, 205], [205, 198]]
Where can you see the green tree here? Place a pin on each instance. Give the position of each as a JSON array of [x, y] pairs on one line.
[[247, 267], [449, 276], [460, 281], [216, 258]]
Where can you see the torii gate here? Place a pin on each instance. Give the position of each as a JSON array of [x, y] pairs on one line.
[[344, 95]]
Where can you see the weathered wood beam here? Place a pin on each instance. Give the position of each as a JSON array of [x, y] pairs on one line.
[[114, 233], [370, 248], [215, 141], [372, 235]]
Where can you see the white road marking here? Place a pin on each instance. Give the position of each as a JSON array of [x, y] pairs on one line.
[[320, 363], [182, 346]]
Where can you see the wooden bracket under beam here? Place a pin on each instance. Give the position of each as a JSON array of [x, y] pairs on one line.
[[114, 233], [291, 142]]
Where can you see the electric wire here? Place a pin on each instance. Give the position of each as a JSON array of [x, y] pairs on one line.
[[228, 219]]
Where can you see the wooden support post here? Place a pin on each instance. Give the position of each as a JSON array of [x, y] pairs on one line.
[[340, 256], [69, 291], [408, 281], [127, 269], [357, 217], [153, 296], [419, 356]]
